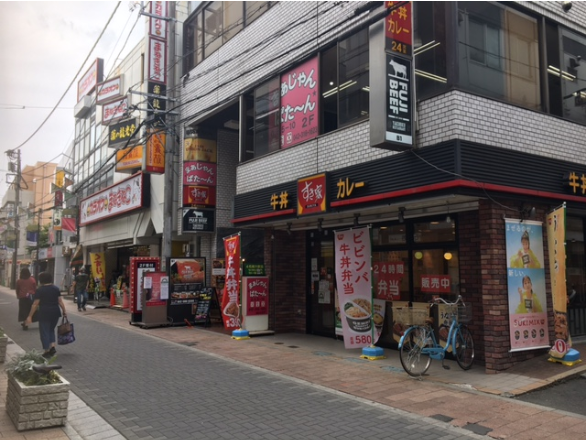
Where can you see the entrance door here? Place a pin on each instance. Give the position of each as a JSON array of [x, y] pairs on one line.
[[321, 298]]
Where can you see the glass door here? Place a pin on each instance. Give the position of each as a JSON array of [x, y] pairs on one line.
[[321, 297]]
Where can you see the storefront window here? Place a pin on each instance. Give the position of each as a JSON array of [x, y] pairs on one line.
[[267, 118], [435, 231], [436, 273], [389, 235]]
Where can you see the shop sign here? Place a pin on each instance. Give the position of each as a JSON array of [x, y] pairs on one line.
[[352, 264], [399, 103], [312, 194], [575, 183], [256, 295], [198, 220], [157, 60], [199, 195], [129, 159], [299, 104], [120, 198], [526, 285], [57, 213], [158, 26], [199, 149], [99, 268], [90, 79], [155, 156], [58, 199], [398, 29], [121, 131], [188, 277], [438, 284], [199, 173], [114, 110], [108, 90], [254, 269], [387, 279], [346, 187], [280, 201], [230, 306]]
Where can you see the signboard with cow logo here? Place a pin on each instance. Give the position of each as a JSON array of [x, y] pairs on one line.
[[399, 103], [198, 220]]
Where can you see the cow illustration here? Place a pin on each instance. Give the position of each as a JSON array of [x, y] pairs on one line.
[[399, 69]]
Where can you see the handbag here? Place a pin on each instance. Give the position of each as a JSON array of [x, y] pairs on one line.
[[65, 333]]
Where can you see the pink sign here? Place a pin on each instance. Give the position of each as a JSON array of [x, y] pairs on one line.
[[435, 283], [256, 294], [353, 278], [299, 104], [199, 173]]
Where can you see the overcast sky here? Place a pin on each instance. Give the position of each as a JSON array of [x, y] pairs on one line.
[[43, 45]]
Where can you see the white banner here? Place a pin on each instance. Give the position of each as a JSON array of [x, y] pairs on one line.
[[353, 280]]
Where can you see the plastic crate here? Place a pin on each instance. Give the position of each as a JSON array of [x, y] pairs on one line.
[[465, 313], [410, 316]]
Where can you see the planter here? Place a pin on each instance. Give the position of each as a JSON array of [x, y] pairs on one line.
[[3, 344], [37, 407]]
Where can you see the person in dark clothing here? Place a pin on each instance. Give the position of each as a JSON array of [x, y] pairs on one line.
[[48, 298], [25, 289], [80, 285]]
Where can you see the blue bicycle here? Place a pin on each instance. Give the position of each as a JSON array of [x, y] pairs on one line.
[[418, 345]]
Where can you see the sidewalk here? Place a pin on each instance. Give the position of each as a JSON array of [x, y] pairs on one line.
[[441, 394]]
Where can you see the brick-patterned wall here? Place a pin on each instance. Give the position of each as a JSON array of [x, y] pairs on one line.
[[285, 264], [494, 284]]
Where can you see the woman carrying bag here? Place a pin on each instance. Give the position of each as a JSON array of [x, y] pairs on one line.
[[50, 304], [25, 289]]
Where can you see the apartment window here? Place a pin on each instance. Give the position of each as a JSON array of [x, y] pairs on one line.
[[267, 124], [344, 80], [498, 53], [214, 24]]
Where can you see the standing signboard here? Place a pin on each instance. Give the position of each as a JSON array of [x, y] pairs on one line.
[[188, 278], [138, 267], [155, 295], [256, 303]]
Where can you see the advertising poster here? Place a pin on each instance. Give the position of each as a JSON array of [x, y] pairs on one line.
[[99, 269], [353, 279], [156, 289], [387, 277], [526, 285], [256, 294], [299, 104], [138, 267], [188, 277], [555, 230], [230, 306]]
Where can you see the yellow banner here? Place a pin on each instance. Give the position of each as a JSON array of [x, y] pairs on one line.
[[60, 178], [99, 269], [129, 158], [555, 228]]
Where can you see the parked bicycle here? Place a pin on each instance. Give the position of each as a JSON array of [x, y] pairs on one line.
[[419, 345]]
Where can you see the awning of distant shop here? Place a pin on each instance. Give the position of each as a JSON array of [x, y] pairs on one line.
[[77, 258]]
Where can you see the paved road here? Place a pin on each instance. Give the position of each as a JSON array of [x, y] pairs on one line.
[[568, 395], [148, 388]]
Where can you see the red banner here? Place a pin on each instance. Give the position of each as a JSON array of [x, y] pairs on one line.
[[231, 295]]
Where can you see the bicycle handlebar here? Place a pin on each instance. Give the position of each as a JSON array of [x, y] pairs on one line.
[[440, 299]]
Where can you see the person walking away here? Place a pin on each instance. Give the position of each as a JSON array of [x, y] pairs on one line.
[[80, 284], [26, 286], [50, 304]]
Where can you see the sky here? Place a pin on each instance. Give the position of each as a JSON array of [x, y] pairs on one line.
[[43, 45]]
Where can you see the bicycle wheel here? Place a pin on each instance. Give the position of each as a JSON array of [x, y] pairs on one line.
[[414, 362], [465, 348]]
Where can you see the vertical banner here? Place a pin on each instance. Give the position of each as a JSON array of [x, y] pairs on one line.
[[231, 296], [555, 230], [99, 269], [353, 280], [526, 285]]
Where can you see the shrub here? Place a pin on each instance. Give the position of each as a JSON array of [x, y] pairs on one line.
[[21, 367]]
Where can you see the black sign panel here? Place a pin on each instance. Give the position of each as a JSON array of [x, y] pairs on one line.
[[198, 220], [156, 102], [121, 131], [399, 100]]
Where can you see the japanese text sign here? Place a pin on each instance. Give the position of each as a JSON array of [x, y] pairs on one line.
[[199, 173], [256, 295], [231, 296], [435, 283], [388, 276], [299, 104], [353, 279], [312, 194], [398, 28]]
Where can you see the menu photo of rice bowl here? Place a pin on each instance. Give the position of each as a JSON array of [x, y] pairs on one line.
[[358, 314], [231, 309], [187, 270]]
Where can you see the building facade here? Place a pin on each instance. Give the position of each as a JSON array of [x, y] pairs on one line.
[[498, 135]]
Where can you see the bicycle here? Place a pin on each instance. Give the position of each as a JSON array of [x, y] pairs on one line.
[[418, 345]]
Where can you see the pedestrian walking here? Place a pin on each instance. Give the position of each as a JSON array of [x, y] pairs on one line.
[[26, 286], [80, 285], [50, 304]]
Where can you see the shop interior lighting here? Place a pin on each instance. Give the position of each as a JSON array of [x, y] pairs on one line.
[[430, 76], [425, 47], [448, 255], [343, 86], [561, 73]]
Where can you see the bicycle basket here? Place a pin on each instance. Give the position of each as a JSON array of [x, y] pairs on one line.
[[410, 316], [465, 313]]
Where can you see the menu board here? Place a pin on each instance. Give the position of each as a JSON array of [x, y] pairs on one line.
[[201, 308], [187, 277]]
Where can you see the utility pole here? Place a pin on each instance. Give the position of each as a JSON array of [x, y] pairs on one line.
[[11, 154], [169, 148], [38, 244]]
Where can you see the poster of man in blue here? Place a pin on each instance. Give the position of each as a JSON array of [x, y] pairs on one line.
[[526, 285]]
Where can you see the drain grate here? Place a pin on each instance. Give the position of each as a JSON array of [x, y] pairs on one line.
[[443, 418]]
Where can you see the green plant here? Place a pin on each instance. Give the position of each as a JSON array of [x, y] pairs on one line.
[[21, 367], [2, 334]]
